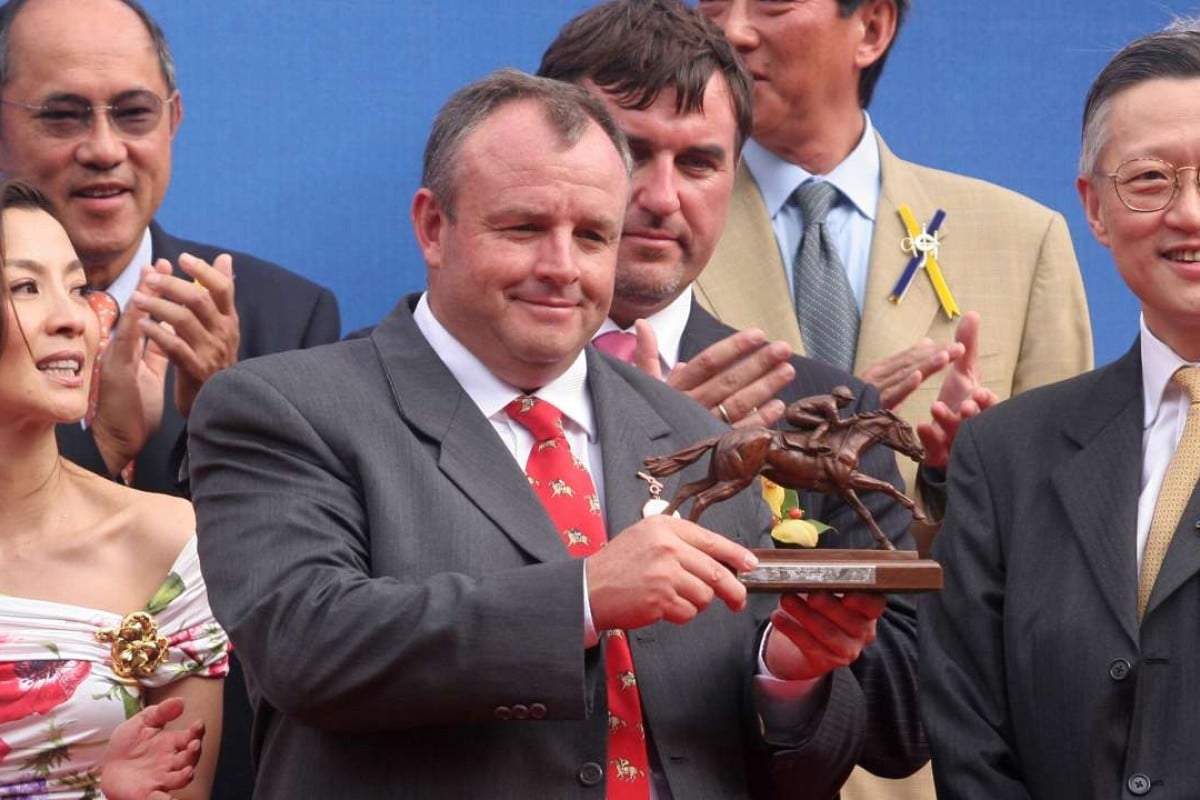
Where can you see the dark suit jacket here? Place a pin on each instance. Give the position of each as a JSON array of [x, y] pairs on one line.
[[1037, 680], [277, 310], [881, 687], [397, 592]]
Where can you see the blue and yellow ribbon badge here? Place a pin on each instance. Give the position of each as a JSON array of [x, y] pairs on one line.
[[922, 246]]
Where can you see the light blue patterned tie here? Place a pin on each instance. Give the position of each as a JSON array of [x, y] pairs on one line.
[[825, 305]]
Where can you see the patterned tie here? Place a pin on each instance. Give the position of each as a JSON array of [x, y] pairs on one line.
[[106, 308], [565, 488], [825, 304], [1178, 484], [618, 344]]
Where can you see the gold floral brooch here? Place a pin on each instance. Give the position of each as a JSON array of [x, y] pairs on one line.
[[137, 649]]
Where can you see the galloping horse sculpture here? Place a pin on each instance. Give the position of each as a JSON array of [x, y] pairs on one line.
[[829, 464]]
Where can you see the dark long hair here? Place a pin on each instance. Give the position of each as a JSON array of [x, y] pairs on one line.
[[15, 194]]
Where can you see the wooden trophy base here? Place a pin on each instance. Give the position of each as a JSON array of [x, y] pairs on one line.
[[886, 571]]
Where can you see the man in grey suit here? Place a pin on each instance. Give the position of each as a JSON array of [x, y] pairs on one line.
[[409, 619], [1061, 659]]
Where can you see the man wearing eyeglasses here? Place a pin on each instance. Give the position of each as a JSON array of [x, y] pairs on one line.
[[89, 107], [1061, 658]]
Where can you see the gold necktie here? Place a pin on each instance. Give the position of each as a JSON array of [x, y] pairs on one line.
[[1178, 484]]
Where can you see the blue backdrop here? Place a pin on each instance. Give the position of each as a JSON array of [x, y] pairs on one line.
[[304, 121]]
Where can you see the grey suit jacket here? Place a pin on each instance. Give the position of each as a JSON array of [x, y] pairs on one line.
[[1037, 680], [408, 619]]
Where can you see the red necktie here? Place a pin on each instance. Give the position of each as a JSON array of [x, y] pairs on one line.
[[565, 488], [617, 344]]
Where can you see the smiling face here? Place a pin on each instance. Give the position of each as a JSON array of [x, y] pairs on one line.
[[522, 274], [106, 187], [50, 331], [684, 167], [1157, 253]]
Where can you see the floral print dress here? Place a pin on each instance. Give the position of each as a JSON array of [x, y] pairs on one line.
[[60, 692]]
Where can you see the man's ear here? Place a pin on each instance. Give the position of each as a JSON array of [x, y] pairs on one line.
[[878, 19], [175, 114], [1089, 194], [429, 222]]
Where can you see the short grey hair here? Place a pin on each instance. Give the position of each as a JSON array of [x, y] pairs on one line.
[[569, 109], [1173, 52], [166, 63]]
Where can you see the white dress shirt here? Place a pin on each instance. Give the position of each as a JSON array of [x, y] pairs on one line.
[[123, 287]]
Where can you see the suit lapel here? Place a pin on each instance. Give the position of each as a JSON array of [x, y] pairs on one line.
[[745, 284], [1099, 486], [470, 454], [163, 245], [629, 430], [702, 329], [886, 326]]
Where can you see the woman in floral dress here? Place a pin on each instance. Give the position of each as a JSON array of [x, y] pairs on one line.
[[102, 606]]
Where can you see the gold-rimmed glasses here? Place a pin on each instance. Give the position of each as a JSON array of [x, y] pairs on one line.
[[1149, 184], [132, 114]]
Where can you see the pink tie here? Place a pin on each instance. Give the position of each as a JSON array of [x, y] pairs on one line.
[[565, 488], [618, 344]]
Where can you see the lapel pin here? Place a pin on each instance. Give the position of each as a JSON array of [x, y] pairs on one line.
[[921, 244]]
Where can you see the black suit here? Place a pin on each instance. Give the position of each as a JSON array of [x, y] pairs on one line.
[[880, 689], [1038, 680], [277, 311]]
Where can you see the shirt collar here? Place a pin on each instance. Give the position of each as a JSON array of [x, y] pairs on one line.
[[1159, 363], [857, 177], [123, 287], [568, 392], [668, 325]]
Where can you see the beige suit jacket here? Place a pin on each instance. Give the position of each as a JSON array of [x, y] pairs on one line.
[[1003, 255]]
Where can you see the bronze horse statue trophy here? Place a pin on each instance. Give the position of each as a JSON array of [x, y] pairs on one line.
[[826, 463]]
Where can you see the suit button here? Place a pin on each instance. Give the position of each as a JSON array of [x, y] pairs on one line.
[[1138, 784], [520, 712], [1119, 670], [503, 713], [591, 774], [537, 711]]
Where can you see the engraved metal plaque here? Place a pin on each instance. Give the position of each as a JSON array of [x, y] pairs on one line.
[[842, 570], [827, 573]]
